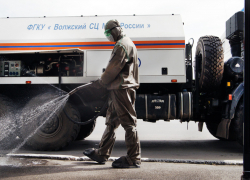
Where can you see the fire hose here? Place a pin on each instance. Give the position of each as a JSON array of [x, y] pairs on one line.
[[92, 119]]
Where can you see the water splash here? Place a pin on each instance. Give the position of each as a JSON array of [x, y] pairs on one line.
[[18, 162], [7, 128], [8, 161], [31, 120], [33, 117], [44, 113]]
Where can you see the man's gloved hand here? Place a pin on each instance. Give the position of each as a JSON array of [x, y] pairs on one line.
[[98, 84]]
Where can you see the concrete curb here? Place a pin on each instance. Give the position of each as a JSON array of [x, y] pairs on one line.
[[85, 158]]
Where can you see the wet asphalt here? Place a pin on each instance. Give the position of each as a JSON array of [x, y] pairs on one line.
[[169, 151], [29, 169]]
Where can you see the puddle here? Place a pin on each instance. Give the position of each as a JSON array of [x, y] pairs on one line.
[[20, 162]]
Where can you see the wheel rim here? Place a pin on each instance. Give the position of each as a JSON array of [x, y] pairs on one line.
[[51, 128]]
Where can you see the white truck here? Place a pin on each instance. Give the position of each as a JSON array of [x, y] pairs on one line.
[[70, 51]]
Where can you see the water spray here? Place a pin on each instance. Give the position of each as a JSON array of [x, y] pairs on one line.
[[44, 112]]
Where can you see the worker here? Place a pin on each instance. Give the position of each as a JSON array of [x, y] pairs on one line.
[[121, 79]]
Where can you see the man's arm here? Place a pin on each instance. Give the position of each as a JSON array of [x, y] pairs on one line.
[[115, 65]]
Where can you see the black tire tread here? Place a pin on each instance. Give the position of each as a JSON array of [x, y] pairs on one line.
[[86, 130], [72, 137], [212, 62]]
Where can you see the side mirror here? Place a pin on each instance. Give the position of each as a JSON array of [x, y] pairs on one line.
[[188, 49]]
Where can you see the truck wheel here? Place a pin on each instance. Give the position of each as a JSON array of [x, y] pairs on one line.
[[86, 130], [57, 132], [8, 128], [209, 56], [237, 123]]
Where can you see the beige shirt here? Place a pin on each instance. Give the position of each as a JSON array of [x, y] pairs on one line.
[[122, 69]]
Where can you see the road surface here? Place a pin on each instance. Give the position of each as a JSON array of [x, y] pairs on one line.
[[163, 142]]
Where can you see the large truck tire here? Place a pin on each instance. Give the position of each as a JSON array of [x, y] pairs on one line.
[[86, 130], [237, 123], [54, 134], [209, 56], [8, 127], [93, 98]]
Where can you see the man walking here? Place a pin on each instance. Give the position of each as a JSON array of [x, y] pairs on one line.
[[121, 79]]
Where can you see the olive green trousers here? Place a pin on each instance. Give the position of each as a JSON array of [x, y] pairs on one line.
[[121, 110]]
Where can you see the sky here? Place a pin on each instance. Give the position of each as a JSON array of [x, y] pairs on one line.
[[200, 17]]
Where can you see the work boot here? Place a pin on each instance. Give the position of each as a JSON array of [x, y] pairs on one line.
[[93, 154], [123, 162]]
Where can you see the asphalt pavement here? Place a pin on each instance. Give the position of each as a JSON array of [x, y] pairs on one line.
[[160, 140], [169, 151], [30, 169]]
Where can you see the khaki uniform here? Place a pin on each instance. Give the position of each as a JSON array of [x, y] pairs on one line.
[[121, 79], [122, 69]]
